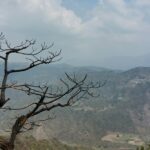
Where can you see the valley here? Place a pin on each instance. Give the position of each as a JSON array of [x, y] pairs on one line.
[[118, 118]]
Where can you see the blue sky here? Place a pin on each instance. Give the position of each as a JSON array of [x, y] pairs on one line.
[[80, 7], [89, 32]]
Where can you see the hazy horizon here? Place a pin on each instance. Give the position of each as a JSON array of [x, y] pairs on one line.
[[61, 64]]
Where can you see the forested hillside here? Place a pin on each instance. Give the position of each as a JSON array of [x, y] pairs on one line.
[[119, 116]]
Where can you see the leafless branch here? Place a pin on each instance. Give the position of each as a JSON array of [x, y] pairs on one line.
[[73, 88], [33, 57]]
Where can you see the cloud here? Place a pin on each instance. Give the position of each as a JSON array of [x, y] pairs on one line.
[[54, 12], [118, 14], [108, 16], [50, 11], [143, 2], [111, 27]]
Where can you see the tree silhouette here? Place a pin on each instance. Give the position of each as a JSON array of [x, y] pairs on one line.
[[74, 89]]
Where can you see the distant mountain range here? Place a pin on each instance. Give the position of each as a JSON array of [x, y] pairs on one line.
[[127, 62], [120, 116]]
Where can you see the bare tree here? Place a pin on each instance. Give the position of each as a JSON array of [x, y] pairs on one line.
[[74, 89]]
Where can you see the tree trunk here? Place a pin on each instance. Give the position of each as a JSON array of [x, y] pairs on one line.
[[5, 145], [9, 144]]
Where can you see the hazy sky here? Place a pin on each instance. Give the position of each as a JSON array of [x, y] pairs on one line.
[[109, 33]]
